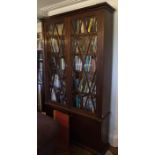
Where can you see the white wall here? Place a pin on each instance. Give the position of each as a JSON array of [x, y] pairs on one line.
[[113, 135]]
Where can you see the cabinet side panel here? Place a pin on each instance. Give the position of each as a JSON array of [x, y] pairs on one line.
[[107, 57], [45, 65], [100, 62]]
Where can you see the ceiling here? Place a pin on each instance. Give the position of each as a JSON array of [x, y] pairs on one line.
[[44, 6], [50, 7]]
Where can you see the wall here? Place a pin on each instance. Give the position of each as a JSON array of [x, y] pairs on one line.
[[113, 136]]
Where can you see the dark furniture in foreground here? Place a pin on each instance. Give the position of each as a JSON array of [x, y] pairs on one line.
[[47, 131]]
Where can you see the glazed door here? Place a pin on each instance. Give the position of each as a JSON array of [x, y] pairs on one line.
[[56, 59], [84, 53]]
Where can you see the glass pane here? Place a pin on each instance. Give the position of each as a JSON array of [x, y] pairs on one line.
[[78, 26], [55, 30], [90, 64], [62, 63], [51, 29], [81, 44], [77, 63], [77, 101], [55, 46], [57, 79], [60, 29], [93, 45], [90, 104], [84, 49], [91, 24]]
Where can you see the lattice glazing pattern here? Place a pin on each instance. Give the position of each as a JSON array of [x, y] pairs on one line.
[[57, 62], [84, 48]]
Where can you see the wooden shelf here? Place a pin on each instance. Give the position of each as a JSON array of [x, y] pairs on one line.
[[84, 54], [56, 36], [83, 93], [75, 111], [84, 34]]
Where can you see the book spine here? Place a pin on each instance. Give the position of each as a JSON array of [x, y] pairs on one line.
[[90, 24], [82, 27]]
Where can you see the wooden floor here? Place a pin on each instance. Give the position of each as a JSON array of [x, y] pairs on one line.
[[75, 150]]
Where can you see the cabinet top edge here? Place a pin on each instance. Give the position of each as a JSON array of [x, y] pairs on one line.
[[104, 5]]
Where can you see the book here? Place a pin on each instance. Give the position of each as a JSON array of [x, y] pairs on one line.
[[78, 26], [82, 27], [55, 45], [53, 95], [86, 88], [95, 44], [78, 63], [60, 29], [90, 106], [80, 86], [90, 64], [56, 81], [84, 101], [90, 24], [39, 44], [76, 83], [62, 63], [75, 63]]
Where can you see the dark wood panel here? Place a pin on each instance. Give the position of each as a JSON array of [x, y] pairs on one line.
[[88, 132], [107, 58], [75, 111]]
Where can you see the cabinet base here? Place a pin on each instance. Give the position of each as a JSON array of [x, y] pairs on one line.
[[90, 134]]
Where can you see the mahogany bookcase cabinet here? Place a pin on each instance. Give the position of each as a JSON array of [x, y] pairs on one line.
[[78, 62]]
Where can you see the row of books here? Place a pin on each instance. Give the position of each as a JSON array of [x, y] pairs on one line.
[[40, 55], [40, 77], [39, 97], [77, 63], [40, 66], [84, 86], [89, 65], [92, 27], [93, 45], [58, 96], [89, 25], [61, 63], [87, 103], [57, 29], [56, 81], [55, 47]]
